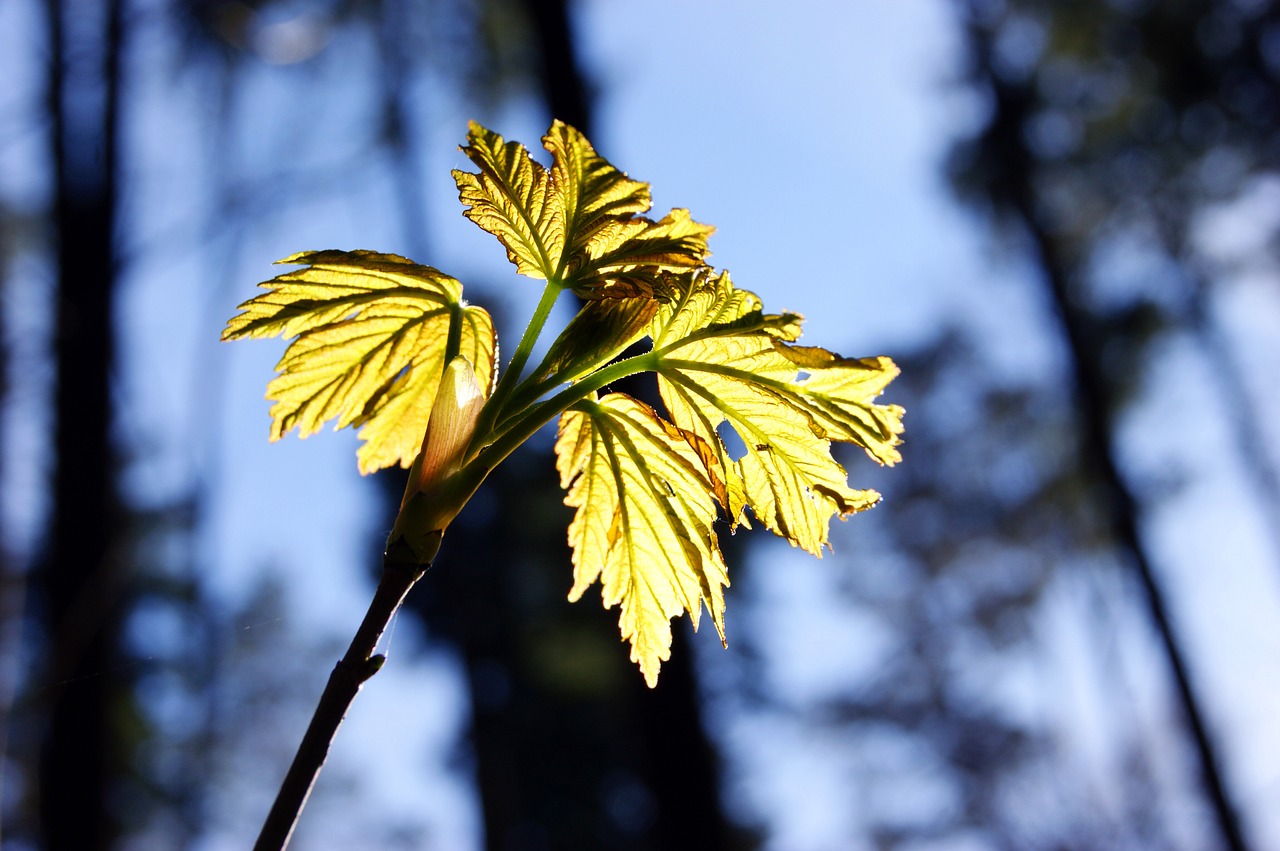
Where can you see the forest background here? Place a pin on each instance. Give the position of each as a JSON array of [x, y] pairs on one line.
[[1061, 629]]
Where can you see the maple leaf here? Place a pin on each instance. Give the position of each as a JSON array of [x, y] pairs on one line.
[[643, 524], [373, 332], [720, 358], [576, 224]]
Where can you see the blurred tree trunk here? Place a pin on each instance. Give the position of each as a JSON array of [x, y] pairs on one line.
[[571, 749], [1097, 446], [80, 579], [563, 84], [1009, 167]]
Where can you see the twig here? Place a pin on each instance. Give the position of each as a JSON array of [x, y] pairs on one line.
[[355, 668]]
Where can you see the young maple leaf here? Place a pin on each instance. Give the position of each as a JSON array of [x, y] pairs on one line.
[[373, 337], [721, 358], [576, 224], [376, 332], [643, 526], [643, 520]]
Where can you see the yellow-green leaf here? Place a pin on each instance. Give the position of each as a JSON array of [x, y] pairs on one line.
[[643, 524], [722, 359], [372, 334], [838, 392], [589, 191], [635, 257], [510, 198], [578, 223]]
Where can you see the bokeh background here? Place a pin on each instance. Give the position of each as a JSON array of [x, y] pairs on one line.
[[1060, 630]]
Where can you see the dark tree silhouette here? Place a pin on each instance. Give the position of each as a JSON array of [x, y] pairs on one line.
[[571, 750], [991, 514], [99, 773], [83, 583], [1069, 162]]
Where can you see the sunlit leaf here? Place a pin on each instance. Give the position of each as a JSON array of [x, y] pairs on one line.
[[632, 257], [372, 331], [752, 415], [510, 198], [838, 392], [643, 524], [722, 359], [577, 223]]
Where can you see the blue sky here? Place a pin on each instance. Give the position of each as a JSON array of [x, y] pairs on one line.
[[811, 134]]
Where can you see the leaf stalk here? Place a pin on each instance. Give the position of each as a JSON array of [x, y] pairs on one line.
[[511, 376]]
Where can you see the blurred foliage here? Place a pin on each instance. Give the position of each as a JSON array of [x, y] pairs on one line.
[[1119, 124], [180, 715], [1112, 129], [1106, 130], [993, 522], [1127, 111], [482, 49]]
